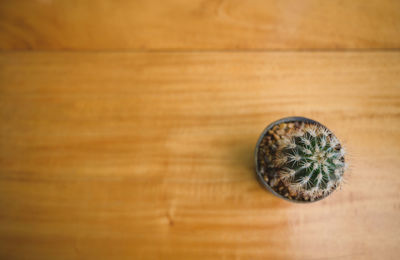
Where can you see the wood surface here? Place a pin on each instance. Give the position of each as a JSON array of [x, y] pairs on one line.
[[150, 155], [128, 128], [199, 24]]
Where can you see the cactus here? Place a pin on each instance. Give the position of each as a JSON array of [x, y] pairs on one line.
[[307, 161]]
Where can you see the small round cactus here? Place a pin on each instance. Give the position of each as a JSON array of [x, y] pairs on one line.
[[301, 160]]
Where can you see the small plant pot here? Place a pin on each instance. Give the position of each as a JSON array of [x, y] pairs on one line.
[[321, 182]]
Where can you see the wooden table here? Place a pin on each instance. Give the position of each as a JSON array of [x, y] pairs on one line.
[[127, 128]]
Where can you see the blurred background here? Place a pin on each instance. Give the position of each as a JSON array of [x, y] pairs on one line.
[[128, 128]]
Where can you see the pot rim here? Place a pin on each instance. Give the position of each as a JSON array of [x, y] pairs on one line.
[[269, 127]]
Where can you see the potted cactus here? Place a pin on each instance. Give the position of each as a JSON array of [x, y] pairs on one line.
[[299, 159]]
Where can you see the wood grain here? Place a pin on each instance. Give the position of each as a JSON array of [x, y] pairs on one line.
[[199, 24], [150, 155]]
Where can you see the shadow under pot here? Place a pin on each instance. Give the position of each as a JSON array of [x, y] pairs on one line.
[[299, 159]]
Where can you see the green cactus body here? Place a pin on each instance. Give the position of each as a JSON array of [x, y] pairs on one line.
[[309, 161]]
